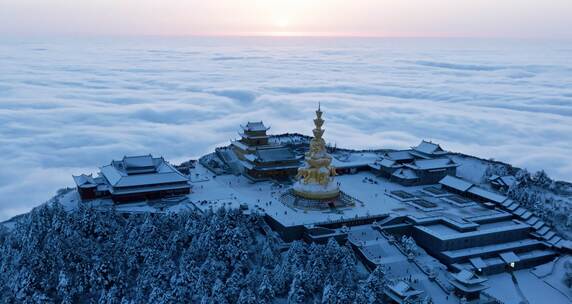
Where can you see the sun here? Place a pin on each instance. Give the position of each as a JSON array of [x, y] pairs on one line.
[[282, 22]]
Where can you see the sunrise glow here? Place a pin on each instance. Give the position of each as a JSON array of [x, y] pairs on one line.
[[425, 18]]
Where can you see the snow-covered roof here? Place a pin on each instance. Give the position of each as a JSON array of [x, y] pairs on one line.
[[134, 162], [466, 276], [150, 179], [250, 157], [398, 155], [388, 163], [468, 281], [275, 154], [478, 263], [246, 164], [403, 289], [487, 250], [141, 171], [242, 146], [488, 195], [509, 257], [441, 232], [455, 183], [520, 211], [507, 203], [255, 126], [430, 148], [405, 173], [432, 164], [506, 181], [513, 206], [84, 181], [150, 188], [353, 163], [246, 135]]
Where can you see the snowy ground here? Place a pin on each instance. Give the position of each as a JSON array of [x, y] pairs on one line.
[[534, 290], [471, 169], [372, 191], [348, 159], [553, 273]]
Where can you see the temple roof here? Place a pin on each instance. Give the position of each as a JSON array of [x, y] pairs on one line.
[[398, 155], [405, 173], [509, 257], [139, 164], [255, 126], [430, 164], [506, 181], [141, 171], [404, 290], [467, 281], [387, 163], [246, 135], [488, 195], [275, 154], [84, 181], [456, 183], [429, 147]]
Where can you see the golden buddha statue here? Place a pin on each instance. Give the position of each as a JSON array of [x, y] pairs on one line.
[[315, 178]]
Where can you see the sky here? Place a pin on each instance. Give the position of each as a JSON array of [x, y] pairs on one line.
[[549, 19]]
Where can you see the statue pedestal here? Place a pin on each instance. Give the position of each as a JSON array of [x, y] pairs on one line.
[[316, 191]]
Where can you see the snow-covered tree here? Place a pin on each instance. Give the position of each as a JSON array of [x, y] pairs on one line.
[[100, 256], [219, 293], [568, 274], [496, 169], [541, 179], [297, 294], [265, 291], [410, 246], [372, 289], [329, 295], [247, 297]]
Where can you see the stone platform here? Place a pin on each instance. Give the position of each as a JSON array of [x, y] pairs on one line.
[[343, 200], [316, 191]]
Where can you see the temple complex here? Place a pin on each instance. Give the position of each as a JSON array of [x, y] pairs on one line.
[[316, 177], [435, 233], [261, 160]]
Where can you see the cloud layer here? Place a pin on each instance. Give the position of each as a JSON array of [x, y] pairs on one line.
[[67, 107]]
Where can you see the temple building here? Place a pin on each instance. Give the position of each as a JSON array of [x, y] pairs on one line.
[[134, 178], [316, 177], [261, 160], [252, 137], [428, 150], [502, 183], [424, 164], [401, 292], [468, 285]]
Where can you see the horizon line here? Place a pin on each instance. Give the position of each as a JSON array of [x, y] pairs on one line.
[[291, 34]]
